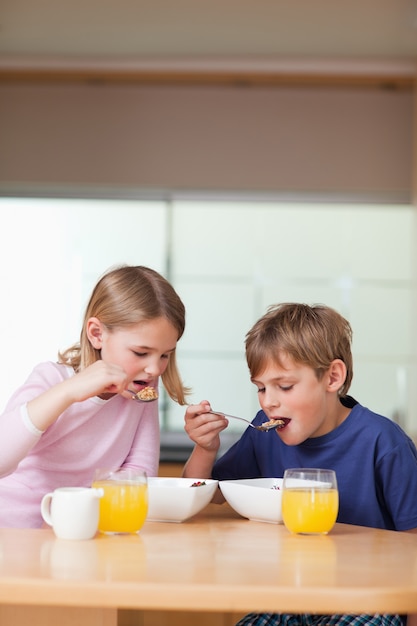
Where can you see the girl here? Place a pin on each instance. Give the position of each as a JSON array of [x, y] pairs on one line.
[[74, 416]]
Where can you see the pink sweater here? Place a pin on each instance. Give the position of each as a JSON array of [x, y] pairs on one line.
[[88, 435]]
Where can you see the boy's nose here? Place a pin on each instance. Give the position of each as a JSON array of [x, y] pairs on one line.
[[270, 400]]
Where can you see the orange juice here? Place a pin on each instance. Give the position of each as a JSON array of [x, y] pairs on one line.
[[310, 510], [124, 506]]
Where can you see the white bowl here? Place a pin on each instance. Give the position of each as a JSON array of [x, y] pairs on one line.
[[175, 500], [258, 499]]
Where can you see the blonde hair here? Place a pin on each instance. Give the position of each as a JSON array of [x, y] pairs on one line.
[[310, 335], [123, 297]]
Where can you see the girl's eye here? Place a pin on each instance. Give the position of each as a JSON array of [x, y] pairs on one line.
[[145, 354], [261, 389], [288, 388]]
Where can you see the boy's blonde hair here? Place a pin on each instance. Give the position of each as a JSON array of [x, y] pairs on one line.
[[123, 297], [310, 335]]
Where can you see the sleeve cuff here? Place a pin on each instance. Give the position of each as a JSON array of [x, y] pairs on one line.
[[28, 422]]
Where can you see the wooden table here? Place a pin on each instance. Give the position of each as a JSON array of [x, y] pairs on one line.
[[217, 561]]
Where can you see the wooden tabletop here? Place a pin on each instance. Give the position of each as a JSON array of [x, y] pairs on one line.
[[217, 559]]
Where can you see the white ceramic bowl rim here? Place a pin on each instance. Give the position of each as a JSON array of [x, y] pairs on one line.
[[255, 498], [174, 499]]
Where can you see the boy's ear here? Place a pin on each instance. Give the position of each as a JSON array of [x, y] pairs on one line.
[[94, 331], [337, 375]]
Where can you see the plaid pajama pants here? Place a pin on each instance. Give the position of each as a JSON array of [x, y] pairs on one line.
[[277, 619]]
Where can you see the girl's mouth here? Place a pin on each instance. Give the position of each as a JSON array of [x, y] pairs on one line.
[[141, 383]]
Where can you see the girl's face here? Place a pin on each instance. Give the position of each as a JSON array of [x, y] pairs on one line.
[[142, 350], [309, 407]]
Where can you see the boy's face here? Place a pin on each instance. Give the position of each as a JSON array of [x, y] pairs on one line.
[[309, 407]]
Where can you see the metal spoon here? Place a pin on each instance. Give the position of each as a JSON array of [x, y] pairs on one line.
[[263, 427], [141, 397]]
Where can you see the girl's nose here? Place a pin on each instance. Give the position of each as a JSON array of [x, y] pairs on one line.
[[154, 368]]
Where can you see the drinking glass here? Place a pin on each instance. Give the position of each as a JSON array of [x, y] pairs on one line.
[[310, 500], [124, 505]]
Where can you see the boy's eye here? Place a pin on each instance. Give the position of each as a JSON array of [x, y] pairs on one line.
[[282, 387]]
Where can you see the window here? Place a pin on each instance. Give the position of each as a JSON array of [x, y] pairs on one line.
[[228, 261]]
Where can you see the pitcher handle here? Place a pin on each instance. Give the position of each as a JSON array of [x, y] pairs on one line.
[[46, 508]]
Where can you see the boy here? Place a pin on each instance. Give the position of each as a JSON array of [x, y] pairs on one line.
[[300, 360]]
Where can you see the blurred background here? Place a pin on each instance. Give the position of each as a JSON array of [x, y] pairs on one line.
[[251, 152]]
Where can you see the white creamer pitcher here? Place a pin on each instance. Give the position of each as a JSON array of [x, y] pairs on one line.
[[73, 512]]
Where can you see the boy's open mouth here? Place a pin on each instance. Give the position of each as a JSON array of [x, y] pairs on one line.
[[284, 421]]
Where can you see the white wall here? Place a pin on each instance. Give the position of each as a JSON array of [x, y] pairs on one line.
[[244, 257], [51, 255], [228, 261]]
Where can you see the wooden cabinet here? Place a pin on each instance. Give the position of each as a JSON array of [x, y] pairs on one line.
[[170, 469]]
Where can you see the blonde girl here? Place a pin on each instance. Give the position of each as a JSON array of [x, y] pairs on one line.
[[75, 415]]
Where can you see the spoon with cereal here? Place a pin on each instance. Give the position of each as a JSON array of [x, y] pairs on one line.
[[270, 425], [146, 394]]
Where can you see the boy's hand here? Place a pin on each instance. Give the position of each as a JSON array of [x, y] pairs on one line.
[[204, 427]]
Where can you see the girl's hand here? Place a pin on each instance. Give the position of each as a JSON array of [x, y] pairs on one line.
[[204, 427], [97, 379]]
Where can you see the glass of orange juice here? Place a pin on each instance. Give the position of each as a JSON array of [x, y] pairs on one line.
[[124, 505], [310, 500]]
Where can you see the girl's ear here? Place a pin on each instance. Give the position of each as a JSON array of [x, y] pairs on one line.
[[94, 330], [336, 375]]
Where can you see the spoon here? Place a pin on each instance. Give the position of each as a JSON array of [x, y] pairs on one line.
[[147, 394], [272, 424]]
